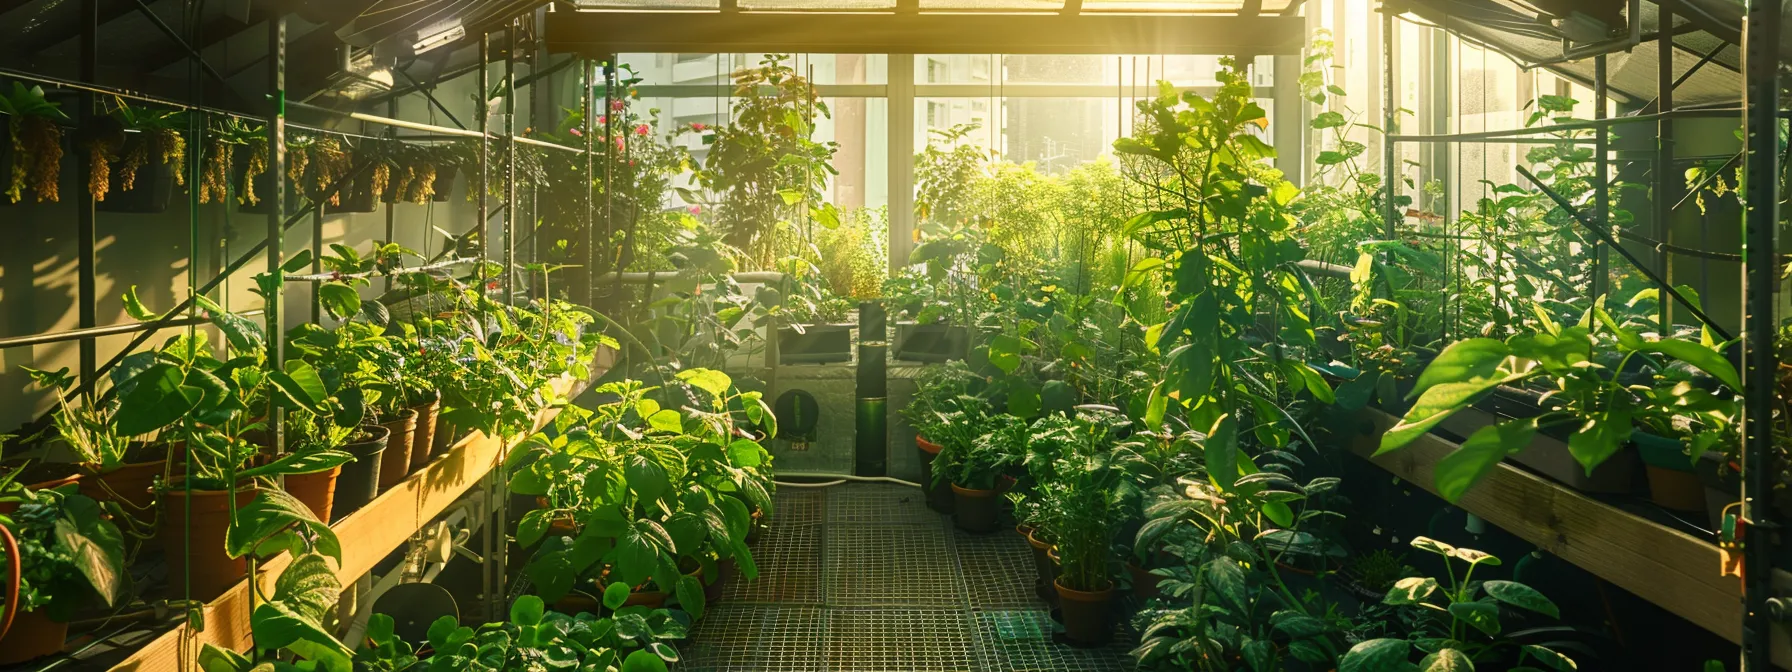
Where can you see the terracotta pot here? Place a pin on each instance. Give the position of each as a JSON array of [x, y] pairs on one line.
[[425, 436], [359, 482], [1144, 583], [202, 553], [395, 463], [129, 484], [976, 510], [42, 485], [317, 490], [726, 570], [1005, 483], [1044, 567], [1086, 616], [654, 599], [757, 527], [1673, 482], [939, 498], [446, 436], [33, 635], [576, 603]]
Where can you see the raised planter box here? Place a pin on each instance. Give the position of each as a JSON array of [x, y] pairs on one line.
[[1548, 454], [930, 342], [815, 344]]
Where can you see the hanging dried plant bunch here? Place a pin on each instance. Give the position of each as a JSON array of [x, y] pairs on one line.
[[214, 175], [171, 147], [103, 140], [256, 166], [298, 156], [424, 187], [135, 156], [382, 176], [328, 164], [36, 142], [158, 136]]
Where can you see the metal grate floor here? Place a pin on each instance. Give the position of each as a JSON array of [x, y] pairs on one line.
[[864, 578]]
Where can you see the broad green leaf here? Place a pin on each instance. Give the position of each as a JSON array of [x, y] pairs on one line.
[[690, 595], [643, 661], [1522, 596], [1463, 361], [1603, 434], [666, 420], [1710, 361], [94, 545], [341, 301], [1484, 616], [1004, 352], [709, 380], [156, 399], [308, 462], [1560, 663], [1227, 578], [1377, 655], [134, 307], [1479, 454], [527, 610], [1433, 545], [1410, 590], [1221, 450], [1446, 660]]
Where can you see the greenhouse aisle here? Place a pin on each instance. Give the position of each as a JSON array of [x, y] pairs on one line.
[[864, 578]]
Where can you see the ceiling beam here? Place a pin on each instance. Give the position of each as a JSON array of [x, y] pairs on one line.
[[597, 33], [210, 34], [67, 29]]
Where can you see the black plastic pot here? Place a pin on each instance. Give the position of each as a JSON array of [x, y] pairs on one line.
[[444, 183], [356, 197], [264, 185], [149, 195], [931, 342], [360, 479], [1087, 619], [976, 510], [817, 344]]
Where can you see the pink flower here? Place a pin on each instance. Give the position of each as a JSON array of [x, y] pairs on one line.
[[617, 105], [631, 163], [575, 132], [603, 120], [491, 285], [695, 209], [698, 126], [643, 129], [619, 145]]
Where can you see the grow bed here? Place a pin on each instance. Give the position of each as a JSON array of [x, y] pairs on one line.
[[368, 536], [1673, 569]]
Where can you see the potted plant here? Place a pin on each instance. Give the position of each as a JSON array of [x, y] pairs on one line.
[[1083, 517], [34, 154], [148, 163], [1467, 615], [976, 455], [64, 552], [812, 326], [365, 191], [1677, 426], [938, 389], [115, 469]]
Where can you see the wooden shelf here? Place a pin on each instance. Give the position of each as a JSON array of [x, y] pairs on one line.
[[368, 535], [1673, 569]]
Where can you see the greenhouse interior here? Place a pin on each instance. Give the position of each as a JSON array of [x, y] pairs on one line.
[[895, 336]]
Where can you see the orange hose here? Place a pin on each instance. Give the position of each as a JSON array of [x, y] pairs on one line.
[[14, 582]]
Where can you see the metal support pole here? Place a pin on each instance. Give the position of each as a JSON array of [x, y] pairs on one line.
[[317, 261], [86, 265], [1388, 100], [583, 294], [391, 219], [901, 143], [1667, 180], [491, 583], [1601, 179], [276, 129], [610, 125], [510, 164], [1760, 286]]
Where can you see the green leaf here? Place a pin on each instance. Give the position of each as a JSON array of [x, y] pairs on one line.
[[708, 380], [1521, 596], [1601, 436], [1446, 660], [615, 595], [308, 587], [533, 527], [309, 462], [646, 476], [643, 661], [157, 399], [1260, 654], [666, 420], [1221, 450], [690, 595], [135, 308], [1377, 655], [94, 545], [1436, 405], [301, 385], [1559, 662], [272, 511], [1707, 360], [1004, 352], [1023, 398], [1411, 590], [1484, 616], [1465, 360], [527, 610], [1479, 454], [1432, 545], [1227, 578], [1326, 120], [341, 301]]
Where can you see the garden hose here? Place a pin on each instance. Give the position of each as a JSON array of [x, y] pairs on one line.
[[838, 479]]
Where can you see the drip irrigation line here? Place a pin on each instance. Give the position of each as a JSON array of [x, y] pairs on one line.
[[1723, 334], [838, 479]]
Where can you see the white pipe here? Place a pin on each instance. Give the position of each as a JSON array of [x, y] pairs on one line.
[[838, 480]]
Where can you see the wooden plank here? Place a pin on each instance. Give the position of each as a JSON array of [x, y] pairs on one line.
[[1675, 570], [367, 536]]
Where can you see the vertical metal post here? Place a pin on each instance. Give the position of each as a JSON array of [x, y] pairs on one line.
[[584, 294], [492, 536], [391, 221], [510, 204], [901, 168], [86, 292], [317, 256], [610, 126], [1760, 288], [276, 129], [1601, 178], [1390, 173], [1667, 182]]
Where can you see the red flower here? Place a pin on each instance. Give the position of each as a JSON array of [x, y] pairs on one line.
[[698, 126], [575, 132], [491, 285], [695, 209], [617, 105], [643, 129], [603, 120]]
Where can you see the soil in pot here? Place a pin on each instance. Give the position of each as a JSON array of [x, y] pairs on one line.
[[425, 437], [360, 479], [939, 497], [317, 490], [33, 635], [193, 529], [395, 463], [1672, 481], [976, 510], [1086, 621]]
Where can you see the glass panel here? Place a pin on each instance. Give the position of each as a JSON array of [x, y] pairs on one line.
[[692, 68], [1116, 71], [1056, 134], [1180, 6]]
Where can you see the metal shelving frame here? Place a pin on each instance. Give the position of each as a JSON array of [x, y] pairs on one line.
[[273, 248], [1761, 257]]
